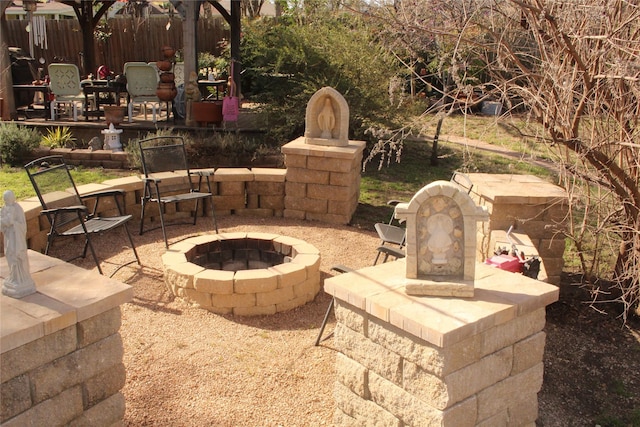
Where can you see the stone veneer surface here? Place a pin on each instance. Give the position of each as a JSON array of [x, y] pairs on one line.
[[61, 348], [409, 361]]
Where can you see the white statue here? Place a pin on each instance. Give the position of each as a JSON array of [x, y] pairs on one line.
[[14, 228]]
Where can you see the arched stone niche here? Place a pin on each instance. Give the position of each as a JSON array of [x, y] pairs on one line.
[[441, 240], [327, 119]]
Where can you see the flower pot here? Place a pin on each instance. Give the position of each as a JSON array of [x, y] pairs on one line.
[[114, 114], [166, 91], [206, 112], [164, 65], [167, 77], [168, 51]]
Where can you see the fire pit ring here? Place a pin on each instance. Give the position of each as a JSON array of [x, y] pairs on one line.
[[245, 274]]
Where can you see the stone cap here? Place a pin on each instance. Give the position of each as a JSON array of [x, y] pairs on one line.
[[506, 188], [499, 297], [66, 294], [298, 146]]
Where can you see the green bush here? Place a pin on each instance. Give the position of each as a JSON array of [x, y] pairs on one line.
[[16, 142], [290, 59]]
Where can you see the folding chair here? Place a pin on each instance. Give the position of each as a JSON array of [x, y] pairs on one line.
[[392, 236], [65, 210], [162, 154]]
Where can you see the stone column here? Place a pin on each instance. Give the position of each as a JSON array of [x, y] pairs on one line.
[[322, 182], [453, 362], [532, 206], [62, 353]]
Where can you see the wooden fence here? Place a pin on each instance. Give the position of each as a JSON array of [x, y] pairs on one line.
[[131, 40]]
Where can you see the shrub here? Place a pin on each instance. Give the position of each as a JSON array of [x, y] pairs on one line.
[[291, 59], [16, 142], [60, 137]]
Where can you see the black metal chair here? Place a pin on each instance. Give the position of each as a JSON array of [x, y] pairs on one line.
[[168, 154], [66, 211]]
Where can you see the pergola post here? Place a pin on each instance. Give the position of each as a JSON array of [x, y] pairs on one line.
[[8, 106]]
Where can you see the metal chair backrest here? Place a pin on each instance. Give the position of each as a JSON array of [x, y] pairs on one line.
[[142, 79], [462, 180], [64, 80], [163, 154], [54, 186]]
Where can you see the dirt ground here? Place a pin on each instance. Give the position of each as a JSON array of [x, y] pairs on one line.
[[188, 367]]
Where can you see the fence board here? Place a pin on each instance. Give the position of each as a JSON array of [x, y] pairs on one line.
[[131, 40]]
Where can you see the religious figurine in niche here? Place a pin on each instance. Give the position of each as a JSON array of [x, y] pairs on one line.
[[191, 94], [14, 228], [439, 227], [326, 119]]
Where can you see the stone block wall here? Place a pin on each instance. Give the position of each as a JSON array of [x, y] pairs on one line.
[[323, 182], [73, 376], [62, 353], [425, 361]]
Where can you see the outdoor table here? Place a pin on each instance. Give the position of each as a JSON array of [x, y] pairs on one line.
[[32, 90], [204, 86], [111, 90]]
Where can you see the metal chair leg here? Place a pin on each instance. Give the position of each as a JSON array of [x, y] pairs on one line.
[[324, 322]]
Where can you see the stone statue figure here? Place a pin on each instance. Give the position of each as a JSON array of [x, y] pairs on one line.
[[191, 94], [440, 227], [326, 119], [14, 228]]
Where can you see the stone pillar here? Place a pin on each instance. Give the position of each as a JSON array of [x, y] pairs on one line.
[[322, 182], [533, 206], [61, 348], [453, 362]]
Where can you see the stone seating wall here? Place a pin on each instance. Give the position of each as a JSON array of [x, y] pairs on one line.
[[239, 191]]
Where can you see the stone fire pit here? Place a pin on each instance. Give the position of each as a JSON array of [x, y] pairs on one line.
[[244, 274]]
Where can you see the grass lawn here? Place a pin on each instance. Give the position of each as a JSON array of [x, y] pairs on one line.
[[16, 179]]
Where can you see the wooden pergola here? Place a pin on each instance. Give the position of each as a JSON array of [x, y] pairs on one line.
[[88, 19]]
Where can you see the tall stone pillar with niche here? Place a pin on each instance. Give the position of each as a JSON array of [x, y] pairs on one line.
[[323, 166], [410, 351], [441, 240]]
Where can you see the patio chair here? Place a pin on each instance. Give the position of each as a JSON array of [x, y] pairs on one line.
[[65, 210], [65, 85], [164, 158], [142, 82]]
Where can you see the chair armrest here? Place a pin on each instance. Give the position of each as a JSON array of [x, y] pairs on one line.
[[64, 209], [149, 179], [105, 193]]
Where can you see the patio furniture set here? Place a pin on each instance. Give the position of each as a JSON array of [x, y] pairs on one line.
[[65, 88]]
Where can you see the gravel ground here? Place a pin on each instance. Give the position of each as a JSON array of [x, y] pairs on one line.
[[189, 367]]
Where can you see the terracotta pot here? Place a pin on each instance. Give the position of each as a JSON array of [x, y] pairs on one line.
[[164, 65], [167, 77], [114, 114], [206, 112], [168, 51], [166, 91]]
